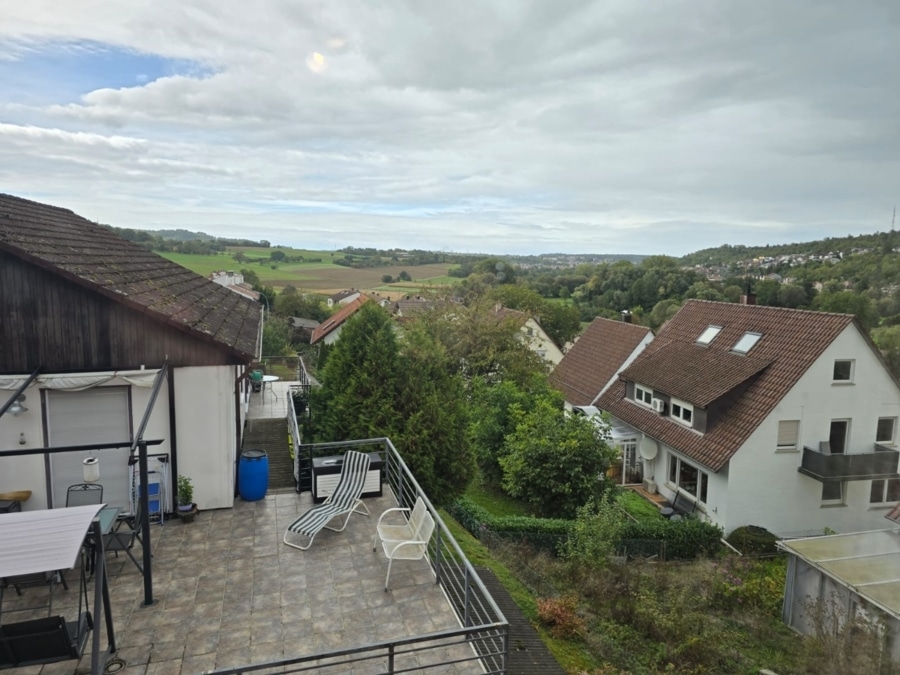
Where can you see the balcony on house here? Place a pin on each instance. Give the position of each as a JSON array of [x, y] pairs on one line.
[[881, 462]]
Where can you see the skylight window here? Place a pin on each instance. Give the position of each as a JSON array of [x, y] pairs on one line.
[[708, 335], [745, 344]]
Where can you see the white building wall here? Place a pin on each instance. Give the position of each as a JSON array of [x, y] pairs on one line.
[[765, 487], [27, 472], [715, 509], [205, 417]]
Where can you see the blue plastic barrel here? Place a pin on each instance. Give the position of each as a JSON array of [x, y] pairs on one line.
[[253, 475]]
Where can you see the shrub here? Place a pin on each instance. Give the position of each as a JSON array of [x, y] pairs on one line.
[[684, 539], [753, 540], [741, 584], [546, 534], [561, 617]]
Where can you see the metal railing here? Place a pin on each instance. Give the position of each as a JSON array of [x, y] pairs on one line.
[[484, 631]]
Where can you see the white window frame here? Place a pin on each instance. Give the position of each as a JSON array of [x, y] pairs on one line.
[[885, 482], [639, 390], [848, 379], [785, 432], [681, 411], [709, 334], [702, 478], [891, 440], [746, 343]]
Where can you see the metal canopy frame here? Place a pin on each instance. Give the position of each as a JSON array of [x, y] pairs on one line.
[[140, 445]]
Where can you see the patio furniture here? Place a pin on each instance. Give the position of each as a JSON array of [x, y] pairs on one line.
[[405, 532], [268, 380], [344, 500], [42, 542], [412, 549], [256, 379], [119, 539], [46, 640], [84, 494]]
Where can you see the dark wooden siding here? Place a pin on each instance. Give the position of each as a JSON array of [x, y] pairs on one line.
[[59, 326]]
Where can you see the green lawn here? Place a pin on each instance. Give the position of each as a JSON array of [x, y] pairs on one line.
[[637, 506], [494, 502]]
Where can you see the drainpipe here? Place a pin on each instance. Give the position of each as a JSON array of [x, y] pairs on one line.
[[173, 434], [237, 422]]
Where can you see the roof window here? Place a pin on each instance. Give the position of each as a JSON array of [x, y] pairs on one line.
[[708, 335], [745, 344]]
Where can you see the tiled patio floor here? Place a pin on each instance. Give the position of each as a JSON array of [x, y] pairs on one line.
[[229, 592]]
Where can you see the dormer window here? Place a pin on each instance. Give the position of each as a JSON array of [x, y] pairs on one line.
[[643, 395], [708, 335], [682, 411], [745, 344]]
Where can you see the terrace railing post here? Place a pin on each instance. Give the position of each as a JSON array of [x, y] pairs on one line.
[[467, 596], [437, 556], [145, 525], [390, 659]]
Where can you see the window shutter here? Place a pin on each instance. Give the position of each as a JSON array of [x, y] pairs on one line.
[[98, 415], [788, 431]]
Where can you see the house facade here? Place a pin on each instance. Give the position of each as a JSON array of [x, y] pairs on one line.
[[532, 334], [343, 298], [97, 317], [329, 330], [783, 419]]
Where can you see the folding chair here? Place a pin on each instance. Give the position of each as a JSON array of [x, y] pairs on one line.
[[84, 494], [344, 500], [120, 539]]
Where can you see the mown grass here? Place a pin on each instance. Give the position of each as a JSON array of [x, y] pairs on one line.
[[637, 506]]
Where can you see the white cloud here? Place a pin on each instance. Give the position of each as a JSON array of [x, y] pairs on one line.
[[501, 126]]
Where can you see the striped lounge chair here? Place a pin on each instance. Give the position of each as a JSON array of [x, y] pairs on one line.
[[344, 500]]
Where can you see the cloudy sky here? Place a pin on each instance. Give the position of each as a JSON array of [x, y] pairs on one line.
[[523, 126]]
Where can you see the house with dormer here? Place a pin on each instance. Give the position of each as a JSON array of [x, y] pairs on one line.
[[751, 415]]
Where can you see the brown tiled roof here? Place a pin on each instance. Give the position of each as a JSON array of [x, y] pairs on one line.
[[693, 373], [95, 257], [337, 319], [595, 358], [791, 342]]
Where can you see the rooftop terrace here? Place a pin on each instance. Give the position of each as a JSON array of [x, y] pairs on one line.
[[229, 594]]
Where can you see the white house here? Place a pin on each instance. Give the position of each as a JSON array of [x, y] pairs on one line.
[[532, 334], [329, 330], [765, 416], [343, 298], [97, 317], [234, 281]]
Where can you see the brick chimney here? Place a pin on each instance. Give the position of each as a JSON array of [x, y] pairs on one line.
[[748, 297]]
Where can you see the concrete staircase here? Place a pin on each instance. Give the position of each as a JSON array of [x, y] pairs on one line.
[[271, 435]]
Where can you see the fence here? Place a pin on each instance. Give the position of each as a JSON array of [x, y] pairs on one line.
[[484, 629]]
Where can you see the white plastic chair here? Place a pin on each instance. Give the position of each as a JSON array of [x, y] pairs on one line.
[[411, 549], [404, 532]]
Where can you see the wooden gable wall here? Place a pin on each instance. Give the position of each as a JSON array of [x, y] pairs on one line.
[[49, 322]]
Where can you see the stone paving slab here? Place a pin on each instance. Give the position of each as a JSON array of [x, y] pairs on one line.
[[229, 592]]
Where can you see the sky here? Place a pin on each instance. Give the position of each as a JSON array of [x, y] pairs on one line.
[[494, 126]]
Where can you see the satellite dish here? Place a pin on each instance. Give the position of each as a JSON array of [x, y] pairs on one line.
[[648, 448]]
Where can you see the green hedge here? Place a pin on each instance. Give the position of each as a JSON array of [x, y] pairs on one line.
[[546, 534], [673, 539]]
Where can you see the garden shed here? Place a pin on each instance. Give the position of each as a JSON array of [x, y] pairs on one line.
[[855, 575]]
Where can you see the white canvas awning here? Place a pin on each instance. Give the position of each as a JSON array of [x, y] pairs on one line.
[[43, 541]]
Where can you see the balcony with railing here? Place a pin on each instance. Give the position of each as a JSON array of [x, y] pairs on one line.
[[882, 462]]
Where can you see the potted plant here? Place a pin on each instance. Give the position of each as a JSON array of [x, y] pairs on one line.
[[186, 507]]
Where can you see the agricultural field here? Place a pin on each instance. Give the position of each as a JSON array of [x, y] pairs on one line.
[[317, 277]]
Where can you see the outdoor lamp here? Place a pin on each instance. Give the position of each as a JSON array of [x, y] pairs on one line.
[[17, 406], [91, 469]]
